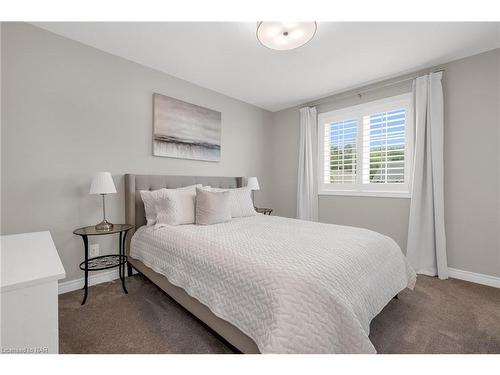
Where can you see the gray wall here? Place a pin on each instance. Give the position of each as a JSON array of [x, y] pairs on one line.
[[472, 167], [70, 110], [472, 163]]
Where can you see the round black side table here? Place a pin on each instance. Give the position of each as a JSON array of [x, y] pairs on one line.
[[265, 211], [104, 262]]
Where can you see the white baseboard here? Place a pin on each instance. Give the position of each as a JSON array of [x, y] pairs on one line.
[[473, 277], [102, 277], [96, 278]]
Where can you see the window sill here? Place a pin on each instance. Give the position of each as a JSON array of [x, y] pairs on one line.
[[376, 194]]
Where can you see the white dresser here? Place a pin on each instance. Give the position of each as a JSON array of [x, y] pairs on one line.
[[30, 268]]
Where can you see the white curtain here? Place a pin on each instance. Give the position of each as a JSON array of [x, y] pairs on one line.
[[426, 248], [307, 186]]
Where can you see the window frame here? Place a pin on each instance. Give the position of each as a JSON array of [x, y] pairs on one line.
[[358, 112]]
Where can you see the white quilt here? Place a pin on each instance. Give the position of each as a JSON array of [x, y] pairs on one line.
[[293, 286]]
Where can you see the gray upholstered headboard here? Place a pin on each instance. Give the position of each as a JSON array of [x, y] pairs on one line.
[[134, 208]]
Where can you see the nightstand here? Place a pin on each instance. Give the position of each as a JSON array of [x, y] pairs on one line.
[[265, 211], [104, 262]]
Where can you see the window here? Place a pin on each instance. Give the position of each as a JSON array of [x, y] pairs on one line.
[[367, 149]]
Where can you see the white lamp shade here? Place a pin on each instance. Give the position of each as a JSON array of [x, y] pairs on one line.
[[253, 183], [102, 184]]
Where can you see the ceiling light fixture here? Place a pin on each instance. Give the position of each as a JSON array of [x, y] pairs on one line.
[[284, 36]]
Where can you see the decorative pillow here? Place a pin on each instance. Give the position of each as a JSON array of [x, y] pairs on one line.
[[175, 207], [212, 207], [150, 199], [241, 201]]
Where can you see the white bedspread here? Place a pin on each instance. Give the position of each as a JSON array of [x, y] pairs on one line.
[[293, 286]]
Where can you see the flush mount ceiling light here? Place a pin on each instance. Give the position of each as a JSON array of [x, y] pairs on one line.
[[285, 35]]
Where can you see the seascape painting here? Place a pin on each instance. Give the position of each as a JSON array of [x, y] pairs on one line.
[[184, 130]]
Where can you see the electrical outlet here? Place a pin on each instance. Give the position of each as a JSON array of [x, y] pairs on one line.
[[94, 250]]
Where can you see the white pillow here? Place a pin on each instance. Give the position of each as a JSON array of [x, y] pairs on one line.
[[212, 207], [241, 201], [175, 207], [150, 199]]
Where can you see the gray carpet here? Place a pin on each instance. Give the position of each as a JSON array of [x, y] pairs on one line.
[[449, 316]]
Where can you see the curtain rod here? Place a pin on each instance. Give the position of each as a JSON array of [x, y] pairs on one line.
[[329, 99]]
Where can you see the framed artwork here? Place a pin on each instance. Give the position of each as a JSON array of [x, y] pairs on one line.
[[184, 130]]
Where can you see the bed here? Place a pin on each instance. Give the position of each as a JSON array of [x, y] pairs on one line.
[[268, 284]]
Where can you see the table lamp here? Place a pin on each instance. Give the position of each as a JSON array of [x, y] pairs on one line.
[[253, 184], [103, 184]]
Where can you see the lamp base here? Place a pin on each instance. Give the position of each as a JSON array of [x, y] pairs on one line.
[[104, 226]]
